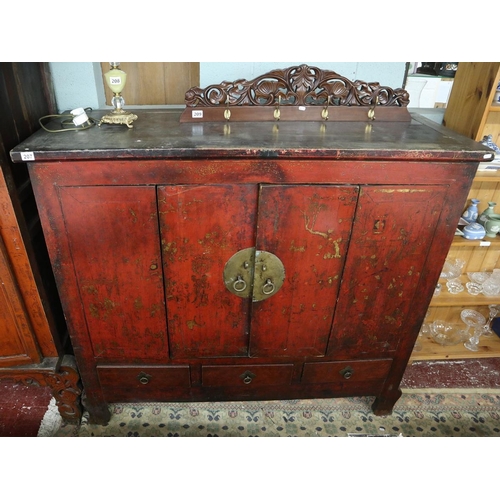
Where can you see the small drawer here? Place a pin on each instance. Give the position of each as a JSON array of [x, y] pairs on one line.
[[126, 383], [246, 375], [332, 372]]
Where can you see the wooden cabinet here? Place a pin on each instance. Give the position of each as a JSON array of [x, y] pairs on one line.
[[196, 264], [33, 336], [472, 112]]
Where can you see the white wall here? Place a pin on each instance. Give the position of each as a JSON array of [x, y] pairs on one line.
[[79, 84], [387, 74]]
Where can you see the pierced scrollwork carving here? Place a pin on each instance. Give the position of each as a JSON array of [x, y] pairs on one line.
[[297, 86], [64, 381], [65, 385]]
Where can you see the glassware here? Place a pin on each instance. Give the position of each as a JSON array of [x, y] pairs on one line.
[[445, 333], [472, 319], [474, 288], [452, 270], [425, 328], [494, 310], [417, 346], [473, 343], [492, 285], [455, 286], [479, 277], [424, 331]]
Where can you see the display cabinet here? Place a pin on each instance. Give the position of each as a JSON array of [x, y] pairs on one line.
[[471, 111]]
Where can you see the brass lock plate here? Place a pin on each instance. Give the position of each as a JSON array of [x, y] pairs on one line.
[[269, 275], [254, 273], [238, 273]]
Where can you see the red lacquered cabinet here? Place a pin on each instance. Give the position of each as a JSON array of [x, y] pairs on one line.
[[197, 261]]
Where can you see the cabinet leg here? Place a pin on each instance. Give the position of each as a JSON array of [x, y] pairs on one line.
[[384, 403], [99, 414]]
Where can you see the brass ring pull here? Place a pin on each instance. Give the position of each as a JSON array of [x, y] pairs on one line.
[[247, 377], [268, 287], [143, 378], [240, 284], [347, 372]]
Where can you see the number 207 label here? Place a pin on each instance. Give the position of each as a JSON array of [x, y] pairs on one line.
[[27, 156]]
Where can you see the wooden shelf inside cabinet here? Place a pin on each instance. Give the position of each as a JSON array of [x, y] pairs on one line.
[[487, 176], [459, 241], [489, 347]]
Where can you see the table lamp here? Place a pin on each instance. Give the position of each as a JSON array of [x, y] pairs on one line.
[[115, 79]]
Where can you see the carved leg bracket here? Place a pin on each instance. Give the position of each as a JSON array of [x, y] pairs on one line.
[[63, 379]]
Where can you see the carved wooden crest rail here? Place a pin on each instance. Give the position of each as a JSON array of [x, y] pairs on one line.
[[297, 93]]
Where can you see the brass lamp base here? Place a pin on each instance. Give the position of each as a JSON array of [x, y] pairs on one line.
[[118, 117]]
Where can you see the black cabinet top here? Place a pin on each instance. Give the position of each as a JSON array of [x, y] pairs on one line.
[[158, 134]]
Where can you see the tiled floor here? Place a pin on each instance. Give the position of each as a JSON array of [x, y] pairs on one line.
[[22, 407]]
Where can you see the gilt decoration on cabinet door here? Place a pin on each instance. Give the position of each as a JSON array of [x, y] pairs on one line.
[[392, 234], [305, 228], [202, 227], [113, 234], [308, 228]]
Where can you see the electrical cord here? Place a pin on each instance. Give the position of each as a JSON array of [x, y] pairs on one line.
[[76, 120]]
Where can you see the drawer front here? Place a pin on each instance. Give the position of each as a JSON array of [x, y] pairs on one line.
[[125, 383], [246, 375], [346, 372]]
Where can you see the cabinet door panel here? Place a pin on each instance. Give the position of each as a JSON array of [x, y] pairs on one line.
[[308, 228], [201, 228], [392, 234], [17, 342], [114, 240]]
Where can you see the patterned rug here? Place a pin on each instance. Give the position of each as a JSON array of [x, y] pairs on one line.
[[418, 413]]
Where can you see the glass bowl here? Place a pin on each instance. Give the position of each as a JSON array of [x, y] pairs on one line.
[[479, 277], [452, 270], [474, 288], [445, 333]]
